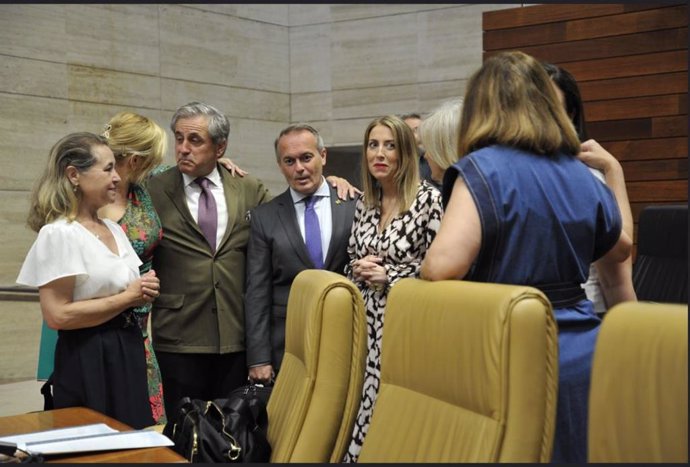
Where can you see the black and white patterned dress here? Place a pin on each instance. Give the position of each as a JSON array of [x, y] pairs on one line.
[[402, 245]]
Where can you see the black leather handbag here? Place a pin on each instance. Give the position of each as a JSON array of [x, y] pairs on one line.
[[222, 430]]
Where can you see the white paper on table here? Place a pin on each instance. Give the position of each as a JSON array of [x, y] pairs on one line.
[[85, 438], [71, 432]]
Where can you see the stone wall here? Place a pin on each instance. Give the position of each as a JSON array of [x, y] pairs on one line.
[[70, 67]]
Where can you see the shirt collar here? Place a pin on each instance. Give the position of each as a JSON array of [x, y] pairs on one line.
[[323, 192], [214, 177]]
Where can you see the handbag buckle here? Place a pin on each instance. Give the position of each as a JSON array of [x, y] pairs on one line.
[[234, 451]]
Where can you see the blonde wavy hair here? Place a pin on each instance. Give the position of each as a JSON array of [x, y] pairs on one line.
[[53, 196], [130, 134], [439, 133], [407, 174], [511, 101]]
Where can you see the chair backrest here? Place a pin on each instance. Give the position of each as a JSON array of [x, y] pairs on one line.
[[638, 404], [469, 373], [660, 272], [314, 402]]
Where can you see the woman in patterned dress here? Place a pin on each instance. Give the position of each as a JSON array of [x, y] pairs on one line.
[[395, 221]]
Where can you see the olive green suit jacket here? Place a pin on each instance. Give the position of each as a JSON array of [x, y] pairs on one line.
[[200, 308]]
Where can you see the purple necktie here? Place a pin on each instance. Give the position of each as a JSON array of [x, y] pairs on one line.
[[312, 232], [208, 214]]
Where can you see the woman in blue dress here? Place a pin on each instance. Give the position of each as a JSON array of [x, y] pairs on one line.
[[522, 209]]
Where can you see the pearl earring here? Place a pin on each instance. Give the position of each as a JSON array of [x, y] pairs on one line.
[[74, 188]]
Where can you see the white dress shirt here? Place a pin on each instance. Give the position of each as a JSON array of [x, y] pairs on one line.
[[322, 207], [192, 193], [66, 248]]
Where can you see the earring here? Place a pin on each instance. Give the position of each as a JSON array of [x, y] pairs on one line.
[[74, 188]]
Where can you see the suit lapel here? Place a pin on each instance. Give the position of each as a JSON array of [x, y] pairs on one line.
[[176, 193], [339, 227], [288, 219], [230, 191]]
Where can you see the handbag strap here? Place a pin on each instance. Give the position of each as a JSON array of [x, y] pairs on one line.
[[243, 406]]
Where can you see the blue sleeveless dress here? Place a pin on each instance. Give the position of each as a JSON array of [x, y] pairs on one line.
[[544, 220]]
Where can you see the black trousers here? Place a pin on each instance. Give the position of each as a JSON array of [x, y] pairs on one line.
[[104, 368], [200, 376]]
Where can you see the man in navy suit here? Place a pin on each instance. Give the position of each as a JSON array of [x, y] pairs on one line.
[[277, 252]]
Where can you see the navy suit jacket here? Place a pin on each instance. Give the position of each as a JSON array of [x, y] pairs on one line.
[[275, 255]]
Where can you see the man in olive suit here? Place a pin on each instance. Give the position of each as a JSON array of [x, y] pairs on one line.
[[198, 320]]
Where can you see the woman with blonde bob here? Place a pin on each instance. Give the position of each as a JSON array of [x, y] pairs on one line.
[[522, 209], [439, 132], [395, 221], [87, 274], [139, 145]]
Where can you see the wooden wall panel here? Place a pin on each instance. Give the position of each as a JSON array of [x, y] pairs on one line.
[[648, 149], [634, 65], [632, 86], [641, 128], [670, 126], [529, 16], [589, 28], [631, 62], [659, 190], [637, 107], [665, 169], [645, 42]]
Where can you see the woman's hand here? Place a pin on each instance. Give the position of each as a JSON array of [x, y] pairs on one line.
[[144, 289], [232, 167], [595, 156], [150, 285], [370, 270]]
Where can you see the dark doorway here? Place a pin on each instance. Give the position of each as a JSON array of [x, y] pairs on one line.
[[345, 162]]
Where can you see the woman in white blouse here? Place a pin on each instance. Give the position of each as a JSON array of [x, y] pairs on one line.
[[88, 279]]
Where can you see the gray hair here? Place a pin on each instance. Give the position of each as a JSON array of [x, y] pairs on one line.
[[295, 128], [218, 124], [439, 133]]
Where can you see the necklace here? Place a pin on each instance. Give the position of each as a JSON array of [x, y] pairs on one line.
[[92, 231]]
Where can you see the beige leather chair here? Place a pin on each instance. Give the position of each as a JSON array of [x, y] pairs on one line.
[[469, 373], [638, 405], [317, 392]]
